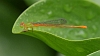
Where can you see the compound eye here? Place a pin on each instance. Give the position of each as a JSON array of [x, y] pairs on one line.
[[22, 24]]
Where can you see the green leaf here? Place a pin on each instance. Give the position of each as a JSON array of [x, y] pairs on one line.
[[97, 53], [69, 41], [97, 2], [18, 45]]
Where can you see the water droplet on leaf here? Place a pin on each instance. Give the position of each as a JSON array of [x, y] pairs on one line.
[[94, 27], [49, 29], [79, 49], [80, 34], [61, 33], [25, 14], [67, 8], [42, 11], [76, 22], [50, 12]]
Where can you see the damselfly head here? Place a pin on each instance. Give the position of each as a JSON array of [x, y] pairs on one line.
[[22, 24]]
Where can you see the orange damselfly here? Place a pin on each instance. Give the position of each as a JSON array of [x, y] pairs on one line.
[[52, 23]]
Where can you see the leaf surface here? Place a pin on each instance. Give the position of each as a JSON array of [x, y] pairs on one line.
[[69, 41]]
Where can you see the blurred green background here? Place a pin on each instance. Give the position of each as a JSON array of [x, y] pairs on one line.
[[18, 45]]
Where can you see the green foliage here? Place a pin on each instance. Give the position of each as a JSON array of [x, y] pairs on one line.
[[18, 45], [97, 53], [69, 41]]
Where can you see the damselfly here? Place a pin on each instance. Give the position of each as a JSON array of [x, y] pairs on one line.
[[61, 23]]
